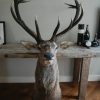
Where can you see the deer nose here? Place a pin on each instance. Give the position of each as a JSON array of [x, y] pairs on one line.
[[49, 56]]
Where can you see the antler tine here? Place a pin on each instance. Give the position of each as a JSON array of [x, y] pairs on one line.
[[80, 17], [66, 30], [76, 19], [16, 7], [55, 31], [77, 11], [37, 30], [18, 19]]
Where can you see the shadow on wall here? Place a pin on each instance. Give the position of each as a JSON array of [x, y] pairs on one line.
[[3, 68], [98, 23]]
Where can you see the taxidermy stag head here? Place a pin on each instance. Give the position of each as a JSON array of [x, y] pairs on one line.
[[36, 35], [47, 73]]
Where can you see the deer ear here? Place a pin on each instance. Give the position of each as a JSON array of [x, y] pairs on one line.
[[28, 44]]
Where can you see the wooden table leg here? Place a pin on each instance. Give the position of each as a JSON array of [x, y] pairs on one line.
[[76, 71], [84, 78]]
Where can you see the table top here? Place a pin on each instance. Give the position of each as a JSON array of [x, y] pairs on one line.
[[19, 51]]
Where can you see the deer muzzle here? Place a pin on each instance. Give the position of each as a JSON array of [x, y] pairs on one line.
[[48, 56]]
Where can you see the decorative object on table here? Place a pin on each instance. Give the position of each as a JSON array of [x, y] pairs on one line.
[[2, 33], [87, 34], [95, 42], [86, 40], [88, 44], [47, 73], [80, 36], [66, 44]]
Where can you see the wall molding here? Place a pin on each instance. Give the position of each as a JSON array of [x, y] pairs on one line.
[[32, 79]]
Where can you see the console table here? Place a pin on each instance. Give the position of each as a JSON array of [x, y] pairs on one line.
[[81, 54]]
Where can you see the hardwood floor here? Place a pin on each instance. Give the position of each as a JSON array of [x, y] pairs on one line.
[[24, 91]]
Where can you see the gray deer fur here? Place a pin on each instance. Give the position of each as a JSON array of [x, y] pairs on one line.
[[47, 75]]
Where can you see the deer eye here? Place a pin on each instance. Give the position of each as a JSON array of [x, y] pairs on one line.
[[39, 46], [46, 46], [57, 47]]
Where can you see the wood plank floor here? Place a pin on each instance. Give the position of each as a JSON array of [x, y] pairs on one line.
[[24, 91]]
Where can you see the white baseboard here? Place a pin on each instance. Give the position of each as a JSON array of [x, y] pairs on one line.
[[94, 78], [32, 79], [17, 79]]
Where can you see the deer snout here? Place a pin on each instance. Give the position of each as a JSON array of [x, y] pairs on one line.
[[49, 56]]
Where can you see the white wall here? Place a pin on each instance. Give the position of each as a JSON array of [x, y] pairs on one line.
[[47, 11]]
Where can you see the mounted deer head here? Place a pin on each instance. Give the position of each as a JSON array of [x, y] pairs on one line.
[[37, 35], [47, 73]]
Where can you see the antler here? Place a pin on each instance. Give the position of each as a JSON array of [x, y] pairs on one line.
[[74, 22], [55, 31], [18, 19], [16, 15]]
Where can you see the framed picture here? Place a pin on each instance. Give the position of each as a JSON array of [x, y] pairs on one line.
[[2, 32]]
